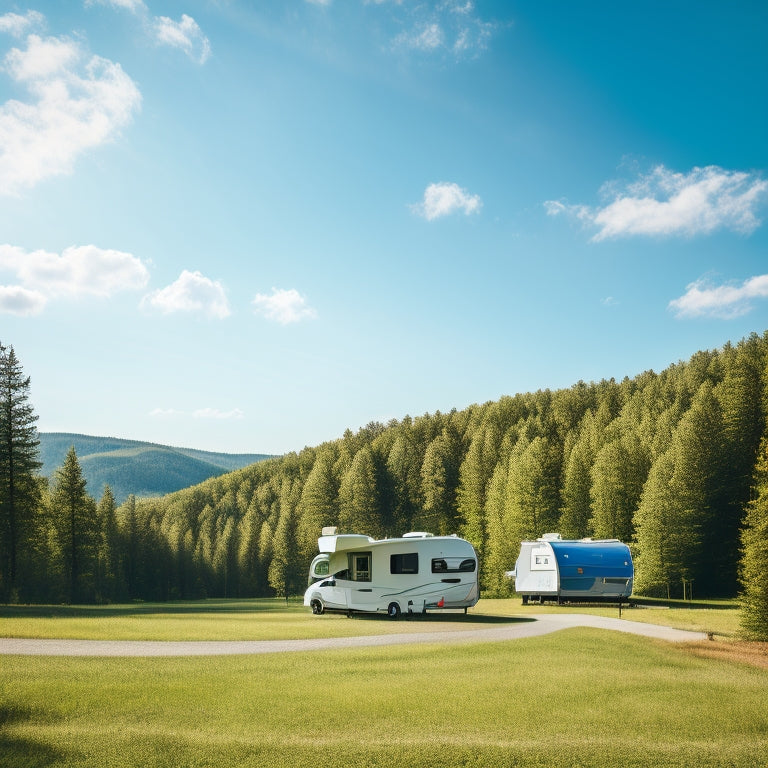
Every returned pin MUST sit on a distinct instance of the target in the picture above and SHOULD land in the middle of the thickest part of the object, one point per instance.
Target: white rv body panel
(404, 575)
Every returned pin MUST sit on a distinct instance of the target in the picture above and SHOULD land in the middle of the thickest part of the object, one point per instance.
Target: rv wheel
(393, 611)
(317, 607)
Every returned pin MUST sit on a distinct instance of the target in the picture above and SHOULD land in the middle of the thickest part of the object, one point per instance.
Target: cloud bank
(702, 299)
(665, 203)
(79, 271)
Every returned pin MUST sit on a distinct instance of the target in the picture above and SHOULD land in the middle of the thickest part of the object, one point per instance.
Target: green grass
(575, 698)
(268, 619)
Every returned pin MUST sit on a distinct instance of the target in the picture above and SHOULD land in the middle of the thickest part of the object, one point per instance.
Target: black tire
(317, 607)
(393, 611)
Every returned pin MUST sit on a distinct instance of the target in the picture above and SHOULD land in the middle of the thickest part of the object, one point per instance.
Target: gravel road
(542, 625)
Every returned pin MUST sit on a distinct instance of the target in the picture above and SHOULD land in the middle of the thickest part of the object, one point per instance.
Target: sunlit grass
(718, 617)
(575, 698)
(273, 619)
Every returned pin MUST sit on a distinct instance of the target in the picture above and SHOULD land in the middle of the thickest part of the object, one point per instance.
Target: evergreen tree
(754, 557)
(618, 475)
(108, 550)
(74, 513)
(318, 506)
(577, 481)
(740, 395)
(439, 481)
(359, 510)
(19, 489)
(678, 502)
(502, 548)
(403, 467)
(131, 546)
(474, 476)
(531, 497)
(285, 574)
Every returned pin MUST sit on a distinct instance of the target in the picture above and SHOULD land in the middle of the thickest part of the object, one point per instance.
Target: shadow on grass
(257, 605)
(27, 752)
(444, 618)
(715, 605)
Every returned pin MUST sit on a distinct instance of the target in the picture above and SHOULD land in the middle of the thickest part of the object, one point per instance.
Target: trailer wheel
(317, 607)
(393, 611)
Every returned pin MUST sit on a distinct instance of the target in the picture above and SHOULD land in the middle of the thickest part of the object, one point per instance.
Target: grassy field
(575, 698)
(288, 620)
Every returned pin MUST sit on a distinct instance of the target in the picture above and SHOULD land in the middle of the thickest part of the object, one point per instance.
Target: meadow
(580, 697)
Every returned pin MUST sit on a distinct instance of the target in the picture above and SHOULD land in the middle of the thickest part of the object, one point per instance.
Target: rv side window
(407, 563)
(453, 565)
(541, 560)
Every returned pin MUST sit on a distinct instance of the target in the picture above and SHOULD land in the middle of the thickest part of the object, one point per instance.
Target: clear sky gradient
(247, 226)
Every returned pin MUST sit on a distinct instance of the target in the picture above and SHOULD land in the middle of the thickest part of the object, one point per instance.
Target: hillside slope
(135, 467)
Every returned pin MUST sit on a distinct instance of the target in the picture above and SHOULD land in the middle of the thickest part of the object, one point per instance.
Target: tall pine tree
(754, 558)
(74, 514)
(19, 489)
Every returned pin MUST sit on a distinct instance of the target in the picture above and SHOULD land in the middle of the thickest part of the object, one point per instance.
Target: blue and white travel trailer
(552, 568)
(412, 574)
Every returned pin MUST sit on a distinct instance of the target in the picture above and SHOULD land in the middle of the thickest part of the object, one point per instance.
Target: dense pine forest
(669, 462)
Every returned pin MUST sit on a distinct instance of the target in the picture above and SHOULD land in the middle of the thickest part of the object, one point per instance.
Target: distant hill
(134, 467)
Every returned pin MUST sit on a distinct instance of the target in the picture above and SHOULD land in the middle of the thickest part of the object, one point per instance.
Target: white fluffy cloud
(191, 292)
(15, 300)
(184, 34)
(283, 306)
(702, 299)
(76, 102)
(445, 198)
(18, 25)
(665, 203)
(77, 272)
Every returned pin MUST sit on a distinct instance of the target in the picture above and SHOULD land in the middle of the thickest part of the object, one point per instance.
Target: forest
(673, 463)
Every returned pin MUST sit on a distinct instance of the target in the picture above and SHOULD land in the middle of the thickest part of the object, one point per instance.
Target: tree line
(669, 463)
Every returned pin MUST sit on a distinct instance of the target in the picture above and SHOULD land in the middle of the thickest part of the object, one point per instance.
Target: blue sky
(246, 227)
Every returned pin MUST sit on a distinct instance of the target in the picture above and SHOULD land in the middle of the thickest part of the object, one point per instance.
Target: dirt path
(541, 626)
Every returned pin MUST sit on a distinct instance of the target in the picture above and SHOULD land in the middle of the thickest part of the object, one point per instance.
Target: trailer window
(541, 560)
(453, 565)
(405, 563)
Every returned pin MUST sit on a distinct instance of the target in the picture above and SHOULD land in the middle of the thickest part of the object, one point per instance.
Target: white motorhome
(412, 574)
